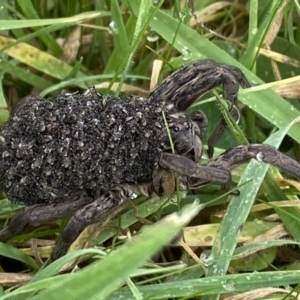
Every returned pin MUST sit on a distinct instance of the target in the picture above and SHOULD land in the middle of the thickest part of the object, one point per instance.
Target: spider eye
(175, 129)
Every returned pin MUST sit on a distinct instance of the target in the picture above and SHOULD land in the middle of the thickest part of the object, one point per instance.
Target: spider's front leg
(183, 87)
(261, 152)
(242, 154)
(164, 183)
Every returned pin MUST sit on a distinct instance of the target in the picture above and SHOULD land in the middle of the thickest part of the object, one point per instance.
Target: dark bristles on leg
(264, 153)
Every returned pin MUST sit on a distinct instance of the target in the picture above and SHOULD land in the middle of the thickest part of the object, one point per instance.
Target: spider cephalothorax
(83, 155)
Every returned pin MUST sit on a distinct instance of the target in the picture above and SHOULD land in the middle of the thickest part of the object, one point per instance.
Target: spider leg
(186, 85)
(261, 152)
(201, 120)
(163, 182)
(242, 154)
(186, 167)
(181, 89)
(100, 209)
(39, 213)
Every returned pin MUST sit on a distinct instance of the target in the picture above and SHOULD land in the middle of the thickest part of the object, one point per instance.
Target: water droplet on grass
(112, 28)
(152, 36)
(229, 285)
(186, 54)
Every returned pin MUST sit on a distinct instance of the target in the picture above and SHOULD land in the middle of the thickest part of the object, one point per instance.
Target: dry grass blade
(126, 88)
(262, 294)
(204, 235)
(289, 90)
(276, 25)
(290, 182)
(13, 279)
(279, 57)
(269, 205)
(156, 69)
(272, 34)
(70, 45)
(272, 234)
(265, 206)
(208, 13)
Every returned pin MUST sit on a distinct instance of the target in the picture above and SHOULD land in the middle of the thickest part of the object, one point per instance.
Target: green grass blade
(140, 26)
(21, 73)
(118, 30)
(249, 56)
(30, 13)
(9, 251)
(37, 59)
(246, 250)
(290, 216)
(80, 286)
(188, 289)
(14, 24)
(238, 210)
(28, 37)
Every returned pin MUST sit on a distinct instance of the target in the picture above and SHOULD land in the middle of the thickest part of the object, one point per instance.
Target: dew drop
(152, 36)
(186, 54)
(112, 28)
(229, 285)
(207, 258)
(182, 16)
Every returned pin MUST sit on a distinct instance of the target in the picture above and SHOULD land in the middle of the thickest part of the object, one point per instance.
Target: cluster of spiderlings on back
(54, 148)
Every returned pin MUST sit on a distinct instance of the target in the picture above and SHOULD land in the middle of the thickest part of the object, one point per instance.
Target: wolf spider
(83, 155)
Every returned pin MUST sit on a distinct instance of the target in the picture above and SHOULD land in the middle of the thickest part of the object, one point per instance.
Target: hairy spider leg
(35, 214)
(242, 154)
(99, 209)
(182, 88)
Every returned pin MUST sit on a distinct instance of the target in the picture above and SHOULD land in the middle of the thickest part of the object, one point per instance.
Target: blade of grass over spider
(28, 290)
(147, 208)
(238, 211)
(80, 286)
(252, 33)
(127, 219)
(199, 47)
(290, 216)
(173, 151)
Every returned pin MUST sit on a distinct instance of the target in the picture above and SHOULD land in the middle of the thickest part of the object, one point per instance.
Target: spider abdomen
(55, 148)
